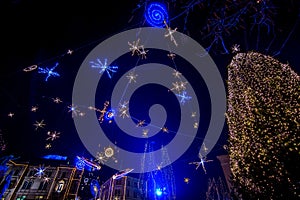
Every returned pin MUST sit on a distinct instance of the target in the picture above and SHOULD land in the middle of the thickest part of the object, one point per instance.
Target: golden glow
(263, 120)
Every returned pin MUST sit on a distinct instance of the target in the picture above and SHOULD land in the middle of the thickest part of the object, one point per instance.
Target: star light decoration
(73, 109)
(40, 171)
(38, 124)
(201, 162)
(179, 86)
(50, 72)
(170, 33)
(131, 77)
(263, 120)
(57, 100)
(145, 132)
(176, 74)
(171, 55)
(11, 114)
(123, 109)
(53, 135)
(186, 180)
(235, 48)
(34, 108)
(103, 111)
(135, 48)
(104, 67)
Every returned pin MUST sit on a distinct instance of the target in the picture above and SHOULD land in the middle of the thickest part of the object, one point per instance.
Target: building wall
(125, 188)
(57, 182)
(225, 163)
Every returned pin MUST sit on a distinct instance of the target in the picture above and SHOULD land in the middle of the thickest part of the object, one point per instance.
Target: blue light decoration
(49, 72)
(94, 187)
(109, 115)
(104, 67)
(158, 192)
(155, 14)
(183, 97)
(79, 163)
(54, 157)
(84, 163)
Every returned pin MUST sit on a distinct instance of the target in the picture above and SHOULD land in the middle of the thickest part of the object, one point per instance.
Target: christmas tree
(263, 119)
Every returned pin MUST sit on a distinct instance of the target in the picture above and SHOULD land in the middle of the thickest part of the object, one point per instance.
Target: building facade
(42, 182)
(126, 187)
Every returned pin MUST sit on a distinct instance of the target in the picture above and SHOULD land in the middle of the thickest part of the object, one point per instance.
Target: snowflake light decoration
(183, 97)
(132, 77)
(104, 67)
(49, 72)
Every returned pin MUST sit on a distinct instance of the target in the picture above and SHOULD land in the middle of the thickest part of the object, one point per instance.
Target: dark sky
(41, 32)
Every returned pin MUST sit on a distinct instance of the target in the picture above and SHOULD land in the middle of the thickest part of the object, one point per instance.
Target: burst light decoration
(155, 14)
(264, 131)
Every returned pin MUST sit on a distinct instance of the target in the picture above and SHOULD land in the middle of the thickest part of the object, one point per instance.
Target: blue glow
(109, 114)
(54, 157)
(94, 187)
(155, 14)
(79, 163)
(83, 163)
(158, 192)
(48, 71)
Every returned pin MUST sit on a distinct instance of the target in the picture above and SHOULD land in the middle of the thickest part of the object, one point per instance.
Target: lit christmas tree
(263, 119)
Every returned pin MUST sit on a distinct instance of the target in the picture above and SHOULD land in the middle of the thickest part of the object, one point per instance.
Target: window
(117, 192)
(43, 185)
(134, 194)
(119, 182)
(31, 173)
(17, 171)
(48, 174)
(63, 175)
(128, 182)
(26, 185)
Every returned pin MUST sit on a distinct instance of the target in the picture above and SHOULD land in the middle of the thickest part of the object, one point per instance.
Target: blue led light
(156, 14)
(54, 157)
(158, 192)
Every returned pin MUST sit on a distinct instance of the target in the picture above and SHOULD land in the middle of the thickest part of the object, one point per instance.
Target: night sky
(41, 32)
